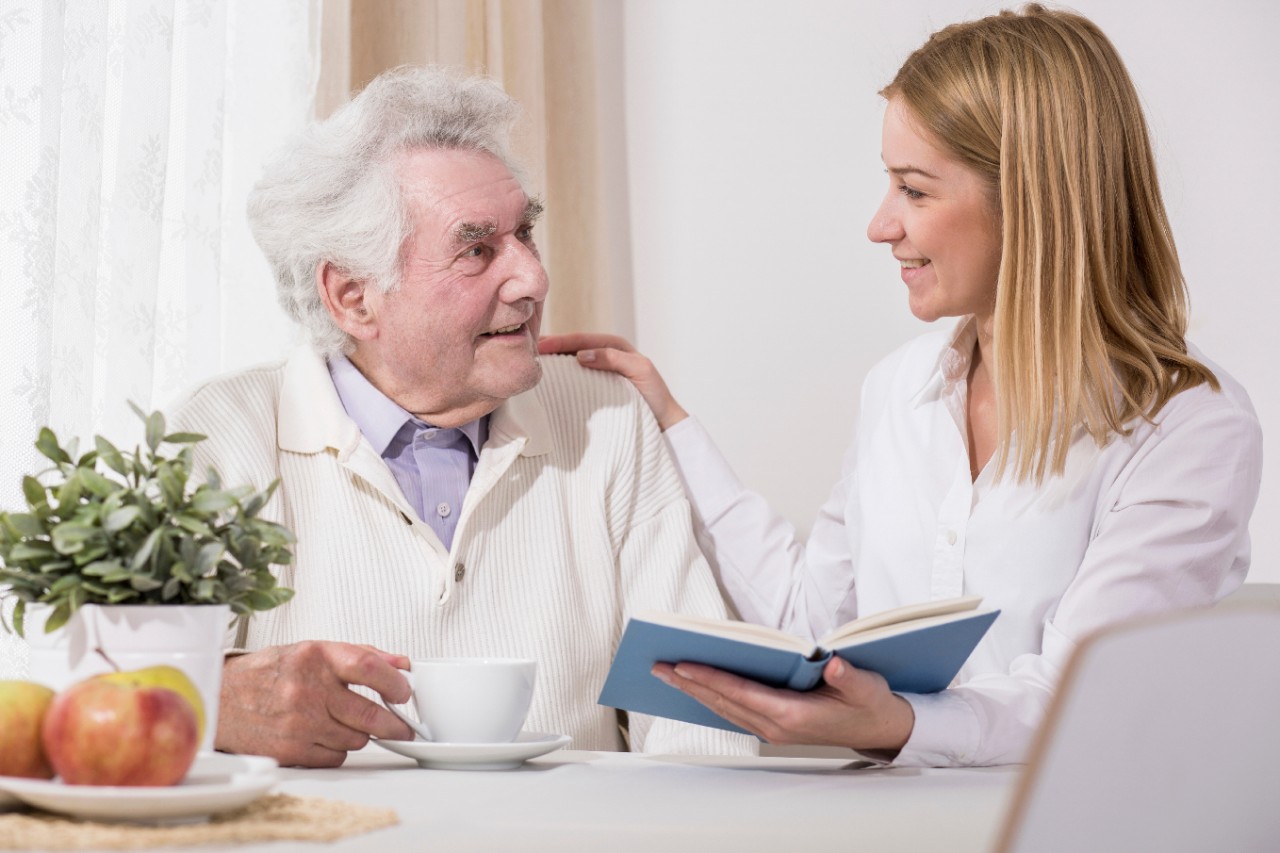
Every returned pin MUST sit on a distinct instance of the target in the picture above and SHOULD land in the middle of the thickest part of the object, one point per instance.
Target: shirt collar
(311, 416)
(953, 362)
(378, 416)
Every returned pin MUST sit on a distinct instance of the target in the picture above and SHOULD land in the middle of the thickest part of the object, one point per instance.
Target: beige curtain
(562, 60)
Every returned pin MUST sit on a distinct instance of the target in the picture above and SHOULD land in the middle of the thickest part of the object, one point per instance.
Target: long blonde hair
(1091, 304)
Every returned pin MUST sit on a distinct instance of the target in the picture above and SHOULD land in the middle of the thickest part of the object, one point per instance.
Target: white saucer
(216, 783)
(476, 756)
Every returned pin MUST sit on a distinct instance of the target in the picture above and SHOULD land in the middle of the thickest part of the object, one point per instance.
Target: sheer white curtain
(130, 132)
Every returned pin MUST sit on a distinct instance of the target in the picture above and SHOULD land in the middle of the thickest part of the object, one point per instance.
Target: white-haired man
(452, 494)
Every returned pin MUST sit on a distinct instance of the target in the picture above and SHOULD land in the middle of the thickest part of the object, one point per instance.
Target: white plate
(216, 783)
(476, 756)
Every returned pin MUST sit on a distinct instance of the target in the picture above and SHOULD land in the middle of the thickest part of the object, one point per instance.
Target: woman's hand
(854, 708)
(617, 355)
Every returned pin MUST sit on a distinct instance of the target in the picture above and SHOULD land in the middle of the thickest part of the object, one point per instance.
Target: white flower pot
(186, 636)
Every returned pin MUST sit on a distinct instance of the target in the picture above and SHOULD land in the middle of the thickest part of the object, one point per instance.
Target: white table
(571, 800)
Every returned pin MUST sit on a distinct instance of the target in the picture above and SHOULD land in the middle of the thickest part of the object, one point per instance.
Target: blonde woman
(1063, 452)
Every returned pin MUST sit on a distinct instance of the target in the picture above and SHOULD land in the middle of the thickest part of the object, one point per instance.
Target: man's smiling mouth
(505, 330)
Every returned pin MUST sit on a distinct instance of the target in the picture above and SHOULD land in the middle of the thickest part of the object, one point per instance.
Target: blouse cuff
(945, 732)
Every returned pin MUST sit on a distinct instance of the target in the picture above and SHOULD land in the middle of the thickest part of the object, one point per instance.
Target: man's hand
(617, 355)
(293, 703)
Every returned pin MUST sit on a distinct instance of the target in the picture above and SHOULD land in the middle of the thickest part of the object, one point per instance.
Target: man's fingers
(366, 717)
(368, 668)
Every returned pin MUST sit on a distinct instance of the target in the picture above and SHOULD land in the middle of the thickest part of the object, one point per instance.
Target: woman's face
(940, 220)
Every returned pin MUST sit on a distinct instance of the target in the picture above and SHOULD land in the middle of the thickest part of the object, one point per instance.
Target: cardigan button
(458, 572)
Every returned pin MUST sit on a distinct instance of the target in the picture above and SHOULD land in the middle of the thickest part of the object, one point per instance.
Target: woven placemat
(274, 817)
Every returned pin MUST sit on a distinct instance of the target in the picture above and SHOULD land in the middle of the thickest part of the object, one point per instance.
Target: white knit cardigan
(575, 518)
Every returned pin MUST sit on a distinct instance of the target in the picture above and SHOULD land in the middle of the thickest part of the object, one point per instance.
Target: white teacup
(470, 700)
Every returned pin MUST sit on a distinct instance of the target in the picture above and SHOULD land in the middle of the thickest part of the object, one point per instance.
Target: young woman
(1063, 452)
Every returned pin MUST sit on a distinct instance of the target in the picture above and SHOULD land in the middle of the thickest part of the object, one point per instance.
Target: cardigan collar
(313, 420)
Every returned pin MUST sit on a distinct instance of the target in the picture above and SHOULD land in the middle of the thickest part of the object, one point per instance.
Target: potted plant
(117, 551)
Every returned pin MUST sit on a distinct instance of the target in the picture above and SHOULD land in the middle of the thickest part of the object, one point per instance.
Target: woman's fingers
(616, 355)
(578, 341)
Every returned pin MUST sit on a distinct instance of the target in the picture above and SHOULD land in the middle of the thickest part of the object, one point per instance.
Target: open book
(918, 648)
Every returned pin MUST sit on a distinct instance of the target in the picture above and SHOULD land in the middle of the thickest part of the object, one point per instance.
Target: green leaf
(98, 484)
(47, 444)
(155, 430)
(37, 550)
(69, 495)
(120, 519)
(101, 568)
(34, 492)
(210, 502)
(171, 588)
(70, 537)
(20, 618)
(194, 525)
(65, 583)
(144, 553)
(61, 613)
(184, 438)
(108, 453)
(144, 583)
(26, 524)
(208, 558)
(120, 594)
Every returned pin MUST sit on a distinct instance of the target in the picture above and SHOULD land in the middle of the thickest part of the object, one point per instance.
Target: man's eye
(914, 195)
(476, 251)
(524, 233)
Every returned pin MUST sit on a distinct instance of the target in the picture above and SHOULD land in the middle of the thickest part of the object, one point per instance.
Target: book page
(898, 616)
(760, 635)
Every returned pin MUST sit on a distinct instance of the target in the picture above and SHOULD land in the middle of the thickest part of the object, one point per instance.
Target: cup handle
(420, 728)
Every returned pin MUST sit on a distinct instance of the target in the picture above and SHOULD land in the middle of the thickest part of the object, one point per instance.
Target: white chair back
(1164, 735)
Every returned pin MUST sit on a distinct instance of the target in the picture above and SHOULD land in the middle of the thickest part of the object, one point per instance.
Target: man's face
(459, 335)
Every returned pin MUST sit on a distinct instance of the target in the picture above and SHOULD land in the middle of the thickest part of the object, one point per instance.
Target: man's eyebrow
(532, 210)
(474, 232)
(471, 232)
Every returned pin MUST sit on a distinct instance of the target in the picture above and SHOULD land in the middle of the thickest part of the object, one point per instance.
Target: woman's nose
(884, 227)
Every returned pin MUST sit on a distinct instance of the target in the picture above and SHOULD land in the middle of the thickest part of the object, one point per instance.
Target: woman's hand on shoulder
(617, 355)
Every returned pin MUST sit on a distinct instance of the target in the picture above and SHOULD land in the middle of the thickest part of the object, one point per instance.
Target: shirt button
(458, 572)
(443, 510)
(951, 537)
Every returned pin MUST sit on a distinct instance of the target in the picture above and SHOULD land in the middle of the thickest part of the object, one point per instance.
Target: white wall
(753, 142)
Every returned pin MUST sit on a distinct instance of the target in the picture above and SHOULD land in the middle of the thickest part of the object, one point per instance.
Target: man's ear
(345, 299)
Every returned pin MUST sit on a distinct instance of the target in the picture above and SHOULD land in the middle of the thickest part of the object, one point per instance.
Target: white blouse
(1156, 520)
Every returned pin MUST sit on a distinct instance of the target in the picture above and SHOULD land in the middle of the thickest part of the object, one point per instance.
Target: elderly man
(452, 494)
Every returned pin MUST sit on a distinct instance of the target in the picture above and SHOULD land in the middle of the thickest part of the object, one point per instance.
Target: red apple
(100, 732)
(23, 705)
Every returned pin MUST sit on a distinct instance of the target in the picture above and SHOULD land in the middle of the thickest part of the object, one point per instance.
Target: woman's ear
(345, 299)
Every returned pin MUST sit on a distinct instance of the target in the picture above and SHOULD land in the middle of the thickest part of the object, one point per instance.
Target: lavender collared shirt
(432, 466)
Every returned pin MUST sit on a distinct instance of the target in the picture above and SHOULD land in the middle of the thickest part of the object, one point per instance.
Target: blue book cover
(920, 655)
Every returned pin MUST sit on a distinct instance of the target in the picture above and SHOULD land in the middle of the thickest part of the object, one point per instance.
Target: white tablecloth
(570, 800)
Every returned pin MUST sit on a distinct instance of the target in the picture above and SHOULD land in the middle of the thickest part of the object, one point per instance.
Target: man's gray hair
(333, 193)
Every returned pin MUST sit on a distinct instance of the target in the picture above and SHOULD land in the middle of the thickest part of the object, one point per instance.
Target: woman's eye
(914, 195)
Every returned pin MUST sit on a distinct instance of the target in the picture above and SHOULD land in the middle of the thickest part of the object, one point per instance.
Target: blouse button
(951, 537)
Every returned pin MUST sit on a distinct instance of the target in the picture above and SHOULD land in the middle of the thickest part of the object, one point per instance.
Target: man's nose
(526, 276)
